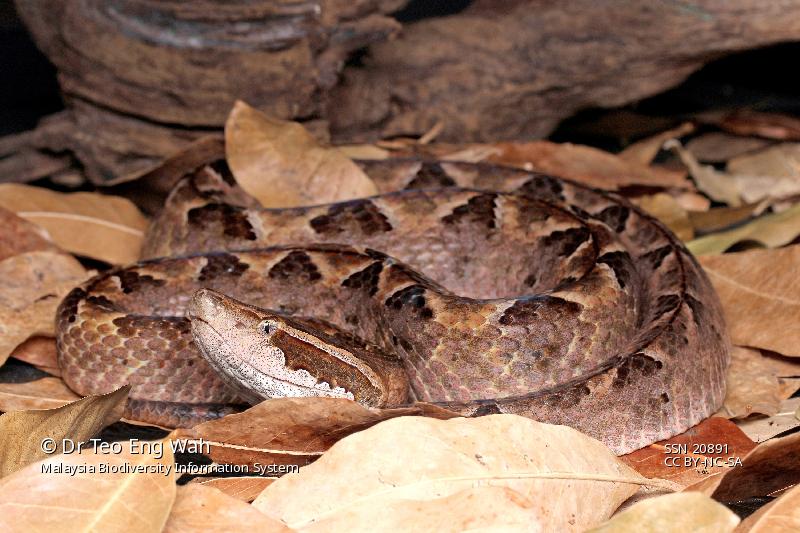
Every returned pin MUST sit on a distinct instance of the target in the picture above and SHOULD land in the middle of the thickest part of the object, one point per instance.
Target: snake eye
(267, 328)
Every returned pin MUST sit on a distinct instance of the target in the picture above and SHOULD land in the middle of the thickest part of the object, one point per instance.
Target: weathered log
(143, 78)
(512, 69)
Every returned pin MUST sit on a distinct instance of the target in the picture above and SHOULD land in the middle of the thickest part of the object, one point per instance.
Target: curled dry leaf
(22, 432)
(686, 459)
(764, 428)
(645, 150)
(44, 393)
(281, 165)
(778, 516)
(760, 296)
(31, 287)
(679, 512)
(39, 352)
(769, 467)
(20, 236)
(201, 508)
(569, 481)
(134, 493)
(245, 489)
(109, 228)
(752, 387)
(666, 209)
(773, 230)
(291, 431)
(717, 185)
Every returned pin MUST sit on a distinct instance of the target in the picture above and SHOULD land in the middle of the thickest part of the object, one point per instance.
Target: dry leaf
(290, 431)
(645, 150)
(585, 164)
(281, 165)
(199, 508)
(769, 125)
(20, 236)
(717, 185)
(43, 496)
(686, 458)
(245, 489)
(679, 512)
(31, 287)
(760, 296)
(721, 218)
(39, 352)
(22, 432)
(719, 147)
(764, 428)
(752, 387)
(482, 508)
(571, 480)
(779, 161)
(364, 152)
(667, 210)
(769, 467)
(778, 516)
(109, 228)
(773, 230)
(44, 393)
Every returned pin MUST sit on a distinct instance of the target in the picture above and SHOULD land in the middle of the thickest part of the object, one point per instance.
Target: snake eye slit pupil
(267, 327)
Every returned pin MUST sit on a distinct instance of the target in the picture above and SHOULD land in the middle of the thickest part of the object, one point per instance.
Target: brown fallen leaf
(39, 352)
(752, 387)
(584, 164)
(44, 393)
(482, 508)
(23, 432)
(73, 493)
(290, 431)
(760, 296)
(281, 165)
(768, 125)
(201, 508)
(679, 512)
(761, 429)
(769, 467)
(778, 516)
(719, 147)
(771, 231)
(109, 228)
(245, 489)
(571, 480)
(645, 150)
(696, 454)
(31, 287)
(20, 236)
(667, 210)
(717, 185)
(778, 161)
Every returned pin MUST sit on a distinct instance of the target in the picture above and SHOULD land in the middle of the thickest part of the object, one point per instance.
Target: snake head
(263, 354)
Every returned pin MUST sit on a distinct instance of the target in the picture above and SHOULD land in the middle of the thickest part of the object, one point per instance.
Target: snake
(481, 288)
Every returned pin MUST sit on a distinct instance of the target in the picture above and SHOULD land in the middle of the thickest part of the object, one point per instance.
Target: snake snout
(206, 304)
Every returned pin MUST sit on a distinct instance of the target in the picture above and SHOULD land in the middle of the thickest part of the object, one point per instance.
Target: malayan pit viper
(485, 289)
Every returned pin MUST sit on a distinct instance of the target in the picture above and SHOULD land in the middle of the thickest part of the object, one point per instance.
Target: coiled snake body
(487, 289)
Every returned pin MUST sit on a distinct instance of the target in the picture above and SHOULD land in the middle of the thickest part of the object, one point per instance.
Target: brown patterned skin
(551, 300)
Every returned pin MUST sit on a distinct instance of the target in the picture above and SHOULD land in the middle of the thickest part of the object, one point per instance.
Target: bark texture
(143, 78)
